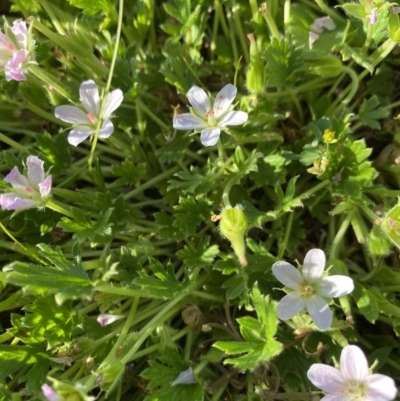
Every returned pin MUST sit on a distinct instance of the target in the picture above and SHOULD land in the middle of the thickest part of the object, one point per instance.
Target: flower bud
(110, 373)
(390, 224)
(255, 75)
(233, 226)
(394, 26)
(328, 67)
(193, 316)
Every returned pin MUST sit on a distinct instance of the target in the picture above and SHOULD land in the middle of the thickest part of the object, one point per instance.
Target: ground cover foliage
(146, 273)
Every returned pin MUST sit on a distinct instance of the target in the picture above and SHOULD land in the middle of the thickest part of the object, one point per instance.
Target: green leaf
(286, 202)
(259, 335)
(199, 254)
(283, 61)
(165, 284)
(370, 113)
(366, 303)
(129, 173)
(64, 279)
(192, 181)
(189, 214)
(91, 7)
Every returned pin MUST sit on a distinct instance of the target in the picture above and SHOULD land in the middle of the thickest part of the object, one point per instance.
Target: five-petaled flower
(31, 190)
(85, 124)
(14, 53)
(210, 120)
(353, 382)
(310, 289)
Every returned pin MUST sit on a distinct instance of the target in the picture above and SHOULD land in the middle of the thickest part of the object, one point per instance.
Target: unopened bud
(390, 224)
(233, 226)
(394, 26)
(255, 74)
(328, 67)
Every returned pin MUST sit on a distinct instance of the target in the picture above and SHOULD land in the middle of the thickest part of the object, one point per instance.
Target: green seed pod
(394, 26)
(255, 75)
(233, 226)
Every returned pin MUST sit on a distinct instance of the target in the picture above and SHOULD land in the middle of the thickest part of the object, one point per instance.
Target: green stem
(49, 80)
(339, 236)
(156, 119)
(151, 182)
(121, 291)
(270, 21)
(13, 144)
(163, 315)
(108, 85)
(311, 191)
(327, 10)
(206, 295)
(288, 230)
(57, 208)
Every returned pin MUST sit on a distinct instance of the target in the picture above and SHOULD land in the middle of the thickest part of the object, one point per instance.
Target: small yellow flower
(329, 136)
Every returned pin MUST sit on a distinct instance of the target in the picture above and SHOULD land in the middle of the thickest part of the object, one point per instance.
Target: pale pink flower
(353, 381)
(210, 120)
(50, 394)
(85, 122)
(317, 27)
(31, 190)
(105, 319)
(14, 53)
(373, 17)
(310, 289)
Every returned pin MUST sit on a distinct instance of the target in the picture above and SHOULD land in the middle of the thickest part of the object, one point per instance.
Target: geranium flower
(318, 26)
(310, 289)
(14, 53)
(85, 123)
(210, 120)
(106, 319)
(353, 382)
(31, 190)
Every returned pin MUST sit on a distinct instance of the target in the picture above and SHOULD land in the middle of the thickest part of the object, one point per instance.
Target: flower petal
(381, 387)
(45, 186)
(113, 101)
(16, 179)
(314, 265)
(287, 274)
(185, 377)
(188, 121)
(312, 37)
(334, 286)
(210, 136)
(336, 398)
(21, 33)
(353, 364)
(106, 319)
(234, 118)
(79, 134)
(35, 170)
(106, 130)
(199, 100)
(290, 305)
(223, 100)
(319, 311)
(14, 74)
(13, 68)
(89, 97)
(71, 114)
(327, 378)
(13, 201)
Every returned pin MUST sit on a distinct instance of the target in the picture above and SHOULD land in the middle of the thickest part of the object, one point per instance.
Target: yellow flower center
(356, 391)
(307, 290)
(329, 136)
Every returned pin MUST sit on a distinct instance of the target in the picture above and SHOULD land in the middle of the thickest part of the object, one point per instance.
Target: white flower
(31, 190)
(310, 288)
(85, 123)
(352, 382)
(210, 121)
